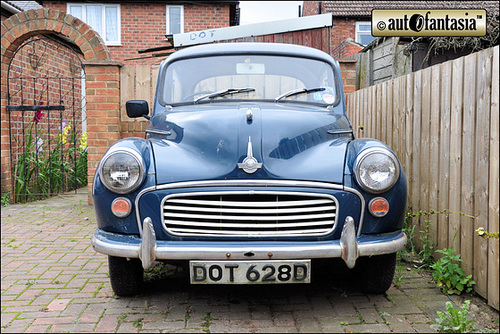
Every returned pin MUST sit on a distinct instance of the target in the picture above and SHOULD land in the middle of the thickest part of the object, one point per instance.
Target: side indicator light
(378, 207)
(121, 207)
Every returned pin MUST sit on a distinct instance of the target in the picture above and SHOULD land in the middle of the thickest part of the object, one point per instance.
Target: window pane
(76, 11)
(365, 27)
(94, 18)
(365, 39)
(111, 24)
(174, 19)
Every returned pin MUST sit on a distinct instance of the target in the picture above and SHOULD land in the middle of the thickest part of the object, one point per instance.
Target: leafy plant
(427, 252)
(5, 200)
(448, 274)
(398, 276)
(38, 173)
(453, 320)
(487, 235)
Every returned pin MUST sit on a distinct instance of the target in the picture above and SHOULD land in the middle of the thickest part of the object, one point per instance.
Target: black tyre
(375, 273)
(126, 276)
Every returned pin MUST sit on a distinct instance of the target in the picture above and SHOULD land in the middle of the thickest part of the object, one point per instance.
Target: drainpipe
(10, 8)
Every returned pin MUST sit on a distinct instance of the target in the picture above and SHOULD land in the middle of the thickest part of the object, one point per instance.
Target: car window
(247, 77)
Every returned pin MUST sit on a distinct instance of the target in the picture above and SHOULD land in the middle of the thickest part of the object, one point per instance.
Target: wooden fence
(443, 124)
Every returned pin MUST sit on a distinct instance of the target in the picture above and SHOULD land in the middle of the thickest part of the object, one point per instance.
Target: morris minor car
(249, 170)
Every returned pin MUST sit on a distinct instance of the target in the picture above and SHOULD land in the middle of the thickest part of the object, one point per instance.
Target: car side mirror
(137, 108)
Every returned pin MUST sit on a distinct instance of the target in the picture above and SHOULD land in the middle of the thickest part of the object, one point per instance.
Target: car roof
(251, 48)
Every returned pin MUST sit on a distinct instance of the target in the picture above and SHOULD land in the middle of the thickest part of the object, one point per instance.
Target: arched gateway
(31, 86)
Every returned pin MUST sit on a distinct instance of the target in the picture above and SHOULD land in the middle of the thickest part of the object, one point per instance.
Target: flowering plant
(43, 168)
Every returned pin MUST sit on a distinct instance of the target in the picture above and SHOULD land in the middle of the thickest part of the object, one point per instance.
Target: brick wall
(143, 25)
(103, 112)
(343, 27)
(348, 69)
(19, 28)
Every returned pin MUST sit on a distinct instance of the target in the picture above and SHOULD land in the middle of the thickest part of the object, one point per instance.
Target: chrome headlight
(376, 170)
(122, 170)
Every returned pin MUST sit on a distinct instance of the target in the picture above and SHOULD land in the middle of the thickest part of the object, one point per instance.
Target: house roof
(364, 8)
(25, 5)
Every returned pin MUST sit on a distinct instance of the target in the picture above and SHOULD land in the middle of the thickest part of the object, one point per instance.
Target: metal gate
(47, 120)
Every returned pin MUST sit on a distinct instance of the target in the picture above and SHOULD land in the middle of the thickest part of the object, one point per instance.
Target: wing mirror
(137, 108)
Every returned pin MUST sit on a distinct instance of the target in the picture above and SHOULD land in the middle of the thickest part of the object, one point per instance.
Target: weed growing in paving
(138, 323)
(448, 274)
(398, 276)
(208, 321)
(453, 320)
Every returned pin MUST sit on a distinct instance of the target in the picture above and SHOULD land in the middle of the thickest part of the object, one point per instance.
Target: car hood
(206, 142)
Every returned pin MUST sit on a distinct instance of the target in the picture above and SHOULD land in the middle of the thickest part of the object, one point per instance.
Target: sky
(263, 11)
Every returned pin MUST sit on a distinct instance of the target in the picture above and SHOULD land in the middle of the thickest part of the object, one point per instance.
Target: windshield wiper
(224, 92)
(299, 91)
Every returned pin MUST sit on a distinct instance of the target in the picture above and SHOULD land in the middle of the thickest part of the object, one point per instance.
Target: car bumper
(148, 249)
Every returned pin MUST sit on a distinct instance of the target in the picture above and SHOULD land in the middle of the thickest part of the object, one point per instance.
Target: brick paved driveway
(52, 280)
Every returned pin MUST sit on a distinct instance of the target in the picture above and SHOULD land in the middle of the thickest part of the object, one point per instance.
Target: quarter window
(364, 33)
(105, 19)
(175, 20)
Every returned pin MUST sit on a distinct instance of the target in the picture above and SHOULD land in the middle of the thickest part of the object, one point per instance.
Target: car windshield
(248, 77)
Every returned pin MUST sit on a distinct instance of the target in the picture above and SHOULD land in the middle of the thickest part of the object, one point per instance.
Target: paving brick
(66, 288)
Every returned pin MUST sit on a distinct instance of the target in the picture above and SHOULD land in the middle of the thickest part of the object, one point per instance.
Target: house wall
(143, 25)
(344, 28)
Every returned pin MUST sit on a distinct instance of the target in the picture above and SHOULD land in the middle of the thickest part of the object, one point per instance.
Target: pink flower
(38, 116)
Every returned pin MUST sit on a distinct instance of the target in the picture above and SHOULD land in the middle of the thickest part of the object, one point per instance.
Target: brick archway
(24, 25)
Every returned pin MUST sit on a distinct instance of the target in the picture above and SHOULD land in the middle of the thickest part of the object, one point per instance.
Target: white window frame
(167, 15)
(103, 35)
(359, 32)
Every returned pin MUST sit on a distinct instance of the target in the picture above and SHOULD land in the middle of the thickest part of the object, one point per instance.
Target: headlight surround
(122, 170)
(376, 170)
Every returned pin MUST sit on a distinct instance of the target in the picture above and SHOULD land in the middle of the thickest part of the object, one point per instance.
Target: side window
(105, 19)
(364, 33)
(175, 20)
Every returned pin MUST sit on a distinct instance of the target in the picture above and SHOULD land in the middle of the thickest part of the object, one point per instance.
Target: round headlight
(376, 170)
(122, 171)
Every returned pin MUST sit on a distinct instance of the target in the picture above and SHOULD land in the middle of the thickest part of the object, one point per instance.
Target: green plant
(487, 235)
(5, 199)
(206, 324)
(453, 320)
(398, 276)
(38, 173)
(427, 252)
(448, 274)
(138, 323)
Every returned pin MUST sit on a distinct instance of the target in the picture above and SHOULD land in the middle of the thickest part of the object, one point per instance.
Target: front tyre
(126, 276)
(375, 273)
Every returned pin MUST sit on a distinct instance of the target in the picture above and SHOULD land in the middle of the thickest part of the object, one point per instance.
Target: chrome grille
(249, 214)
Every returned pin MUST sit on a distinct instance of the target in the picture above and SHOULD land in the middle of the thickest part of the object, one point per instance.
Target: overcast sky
(262, 11)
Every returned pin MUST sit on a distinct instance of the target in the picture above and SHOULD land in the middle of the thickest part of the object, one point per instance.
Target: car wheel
(375, 273)
(126, 276)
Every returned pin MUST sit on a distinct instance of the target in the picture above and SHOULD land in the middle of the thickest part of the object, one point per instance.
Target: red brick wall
(348, 70)
(103, 113)
(143, 25)
(19, 28)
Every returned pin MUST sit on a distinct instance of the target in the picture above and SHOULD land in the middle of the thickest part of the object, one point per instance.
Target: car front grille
(249, 214)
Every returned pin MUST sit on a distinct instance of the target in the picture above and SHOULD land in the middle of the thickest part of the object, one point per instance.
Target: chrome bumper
(349, 248)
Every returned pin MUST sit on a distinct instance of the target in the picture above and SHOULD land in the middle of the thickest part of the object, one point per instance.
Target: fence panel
(442, 123)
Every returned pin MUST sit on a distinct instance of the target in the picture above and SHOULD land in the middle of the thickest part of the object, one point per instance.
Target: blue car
(248, 171)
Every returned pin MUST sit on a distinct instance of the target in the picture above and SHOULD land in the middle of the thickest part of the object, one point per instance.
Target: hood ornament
(250, 164)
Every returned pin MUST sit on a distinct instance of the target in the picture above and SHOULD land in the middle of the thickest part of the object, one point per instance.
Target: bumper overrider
(148, 248)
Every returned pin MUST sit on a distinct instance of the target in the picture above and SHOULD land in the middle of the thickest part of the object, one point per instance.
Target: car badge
(250, 164)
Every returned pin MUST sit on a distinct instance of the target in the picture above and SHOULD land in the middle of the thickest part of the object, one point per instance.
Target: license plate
(250, 272)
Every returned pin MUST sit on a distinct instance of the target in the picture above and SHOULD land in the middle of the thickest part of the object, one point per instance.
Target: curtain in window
(111, 24)
(94, 18)
(174, 20)
(76, 11)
